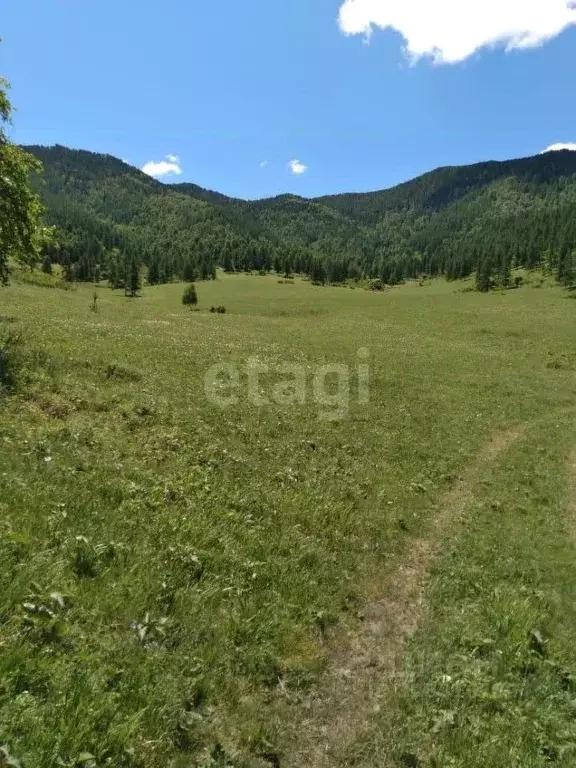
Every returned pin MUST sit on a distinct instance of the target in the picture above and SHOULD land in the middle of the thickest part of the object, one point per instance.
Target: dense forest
(485, 219)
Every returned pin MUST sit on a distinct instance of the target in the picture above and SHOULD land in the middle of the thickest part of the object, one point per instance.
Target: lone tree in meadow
(190, 297)
(484, 275)
(132, 284)
(21, 236)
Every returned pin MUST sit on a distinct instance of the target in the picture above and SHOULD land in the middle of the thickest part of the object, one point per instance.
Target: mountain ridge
(509, 164)
(447, 221)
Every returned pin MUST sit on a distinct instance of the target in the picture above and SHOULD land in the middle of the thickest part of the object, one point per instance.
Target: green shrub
(190, 297)
(41, 278)
(10, 344)
(47, 265)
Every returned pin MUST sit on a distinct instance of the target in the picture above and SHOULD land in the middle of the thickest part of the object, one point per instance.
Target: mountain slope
(439, 188)
(446, 221)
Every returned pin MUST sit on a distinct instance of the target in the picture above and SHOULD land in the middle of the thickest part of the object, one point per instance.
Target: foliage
(10, 347)
(22, 237)
(132, 279)
(190, 296)
(47, 265)
(490, 218)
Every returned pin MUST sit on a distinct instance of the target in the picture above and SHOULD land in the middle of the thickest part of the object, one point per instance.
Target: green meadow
(184, 584)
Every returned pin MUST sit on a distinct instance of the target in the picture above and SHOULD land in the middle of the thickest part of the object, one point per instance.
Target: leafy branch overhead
(22, 237)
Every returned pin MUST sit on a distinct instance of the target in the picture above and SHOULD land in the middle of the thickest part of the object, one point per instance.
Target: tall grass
(174, 575)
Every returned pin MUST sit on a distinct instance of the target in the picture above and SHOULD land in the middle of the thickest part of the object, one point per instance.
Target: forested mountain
(487, 217)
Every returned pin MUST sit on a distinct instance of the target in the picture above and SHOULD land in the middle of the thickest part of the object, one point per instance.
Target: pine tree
(115, 268)
(205, 270)
(68, 270)
(505, 271)
(47, 265)
(566, 273)
(84, 271)
(154, 272)
(484, 275)
(227, 262)
(190, 273)
(318, 273)
(132, 281)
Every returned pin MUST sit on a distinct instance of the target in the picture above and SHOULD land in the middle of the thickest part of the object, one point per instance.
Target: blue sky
(363, 93)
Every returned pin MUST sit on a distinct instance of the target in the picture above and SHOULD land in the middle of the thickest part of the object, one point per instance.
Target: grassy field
(183, 584)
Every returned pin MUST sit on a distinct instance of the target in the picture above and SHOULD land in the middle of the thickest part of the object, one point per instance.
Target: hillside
(438, 189)
(449, 221)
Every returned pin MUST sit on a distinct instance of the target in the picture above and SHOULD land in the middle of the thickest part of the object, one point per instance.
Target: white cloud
(297, 168)
(558, 147)
(264, 163)
(163, 167)
(452, 30)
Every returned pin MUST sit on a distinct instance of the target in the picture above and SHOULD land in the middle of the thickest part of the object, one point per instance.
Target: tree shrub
(10, 344)
(190, 297)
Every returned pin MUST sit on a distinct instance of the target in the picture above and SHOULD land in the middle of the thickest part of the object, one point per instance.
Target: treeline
(486, 219)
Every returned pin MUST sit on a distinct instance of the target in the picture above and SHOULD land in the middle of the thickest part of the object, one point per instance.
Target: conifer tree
(115, 268)
(505, 271)
(190, 273)
(566, 273)
(318, 272)
(154, 271)
(132, 280)
(484, 275)
(47, 265)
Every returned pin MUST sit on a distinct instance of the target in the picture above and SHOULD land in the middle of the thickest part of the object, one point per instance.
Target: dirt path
(366, 669)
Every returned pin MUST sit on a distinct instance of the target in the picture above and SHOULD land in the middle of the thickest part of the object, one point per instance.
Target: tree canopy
(21, 236)
(486, 218)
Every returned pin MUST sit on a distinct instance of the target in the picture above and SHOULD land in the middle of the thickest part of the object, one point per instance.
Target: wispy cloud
(449, 31)
(558, 147)
(264, 163)
(170, 165)
(297, 168)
